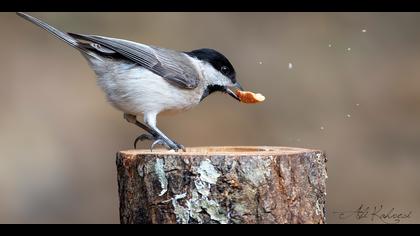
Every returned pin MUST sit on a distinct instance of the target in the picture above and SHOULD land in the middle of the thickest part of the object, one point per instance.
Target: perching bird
(145, 80)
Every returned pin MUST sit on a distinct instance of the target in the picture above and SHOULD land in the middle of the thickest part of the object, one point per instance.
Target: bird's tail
(57, 33)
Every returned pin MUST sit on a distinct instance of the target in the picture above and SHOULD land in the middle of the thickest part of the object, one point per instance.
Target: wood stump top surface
(224, 150)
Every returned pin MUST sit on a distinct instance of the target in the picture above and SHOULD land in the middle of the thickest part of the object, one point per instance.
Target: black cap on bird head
(217, 60)
(220, 63)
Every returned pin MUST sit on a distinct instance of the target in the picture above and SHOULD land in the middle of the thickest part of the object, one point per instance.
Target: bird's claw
(157, 141)
(180, 146)
(141, 138)
(170, 145)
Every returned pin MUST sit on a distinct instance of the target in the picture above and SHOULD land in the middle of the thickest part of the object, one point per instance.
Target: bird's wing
(174, 66)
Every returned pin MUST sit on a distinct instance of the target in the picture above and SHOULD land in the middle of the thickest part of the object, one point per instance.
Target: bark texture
(226, 185)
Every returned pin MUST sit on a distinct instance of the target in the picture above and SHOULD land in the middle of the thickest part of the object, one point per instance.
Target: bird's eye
(224, 70)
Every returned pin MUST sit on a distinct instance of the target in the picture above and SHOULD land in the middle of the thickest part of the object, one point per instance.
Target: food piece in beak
(249, 97)
(236, 86)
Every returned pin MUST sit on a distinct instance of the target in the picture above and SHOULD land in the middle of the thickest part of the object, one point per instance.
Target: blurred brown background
(353, 91)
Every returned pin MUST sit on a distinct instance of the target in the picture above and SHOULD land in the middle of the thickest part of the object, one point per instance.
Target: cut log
(227, 185)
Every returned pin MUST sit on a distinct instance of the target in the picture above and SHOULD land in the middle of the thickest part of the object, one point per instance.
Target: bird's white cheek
(214, 77)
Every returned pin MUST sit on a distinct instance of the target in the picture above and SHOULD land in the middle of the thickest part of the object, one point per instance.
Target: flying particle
(348, 116)
(348, 49)
(364, 30)
(290, 65)
(322, 128)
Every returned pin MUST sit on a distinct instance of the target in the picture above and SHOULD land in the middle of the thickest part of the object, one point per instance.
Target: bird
(146, 80)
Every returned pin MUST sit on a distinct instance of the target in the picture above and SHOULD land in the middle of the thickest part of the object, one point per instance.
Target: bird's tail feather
(57, 33)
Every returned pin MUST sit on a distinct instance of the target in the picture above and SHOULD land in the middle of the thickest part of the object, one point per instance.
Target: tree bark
(244, 185)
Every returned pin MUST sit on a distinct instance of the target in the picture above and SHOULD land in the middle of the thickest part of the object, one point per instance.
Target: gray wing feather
(174, 66)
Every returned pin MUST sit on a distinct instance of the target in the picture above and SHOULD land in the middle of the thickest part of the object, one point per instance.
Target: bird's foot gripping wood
(158, 140)
(153, 135)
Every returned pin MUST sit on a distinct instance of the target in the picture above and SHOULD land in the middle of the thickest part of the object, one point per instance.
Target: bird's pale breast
(136, 90)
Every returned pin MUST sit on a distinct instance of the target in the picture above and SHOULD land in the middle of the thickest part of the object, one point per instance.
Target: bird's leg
(170, 144)
(150, 120)
(151, 134)
(133, 119)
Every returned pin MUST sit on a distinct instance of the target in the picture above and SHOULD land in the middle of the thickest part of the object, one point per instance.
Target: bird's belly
(138, 91)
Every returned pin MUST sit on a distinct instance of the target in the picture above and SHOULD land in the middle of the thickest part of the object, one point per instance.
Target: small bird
(145, 80)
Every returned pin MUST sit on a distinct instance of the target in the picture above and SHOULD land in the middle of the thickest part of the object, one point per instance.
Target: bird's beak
(231, 90)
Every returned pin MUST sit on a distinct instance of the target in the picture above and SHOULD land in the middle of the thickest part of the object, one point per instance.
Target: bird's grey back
(174, 66)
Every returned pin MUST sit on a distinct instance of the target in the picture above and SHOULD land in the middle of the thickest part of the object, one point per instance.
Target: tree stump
(227, 185)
